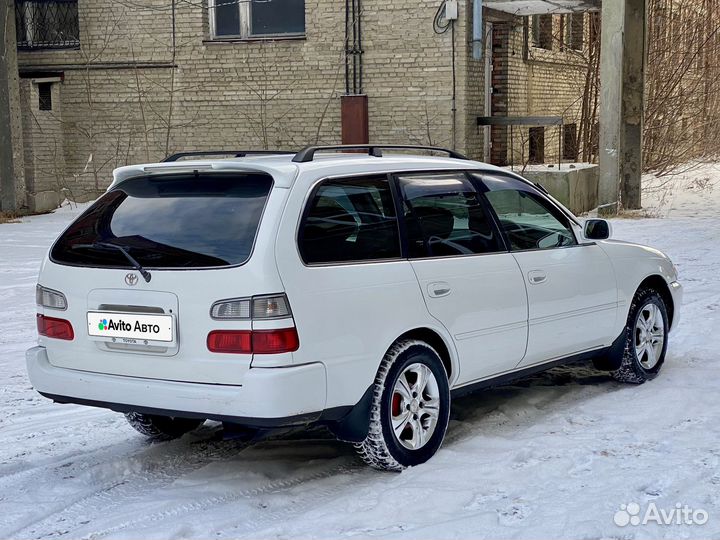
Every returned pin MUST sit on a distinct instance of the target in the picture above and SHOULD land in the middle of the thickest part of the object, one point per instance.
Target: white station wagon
(336, 286)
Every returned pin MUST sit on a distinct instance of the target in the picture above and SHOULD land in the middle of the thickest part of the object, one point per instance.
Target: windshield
(172, 221)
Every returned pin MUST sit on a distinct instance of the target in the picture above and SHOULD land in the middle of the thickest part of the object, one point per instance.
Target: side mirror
(597, 229)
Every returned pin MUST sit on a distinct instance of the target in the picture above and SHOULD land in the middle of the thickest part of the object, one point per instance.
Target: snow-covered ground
(554, 456)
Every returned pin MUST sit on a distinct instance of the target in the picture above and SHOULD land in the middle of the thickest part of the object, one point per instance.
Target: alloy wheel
(415, 406)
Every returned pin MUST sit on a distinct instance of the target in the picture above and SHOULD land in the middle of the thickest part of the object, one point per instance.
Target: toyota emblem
(131, 279)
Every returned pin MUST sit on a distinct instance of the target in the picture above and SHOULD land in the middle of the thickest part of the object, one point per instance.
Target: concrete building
(103, 83)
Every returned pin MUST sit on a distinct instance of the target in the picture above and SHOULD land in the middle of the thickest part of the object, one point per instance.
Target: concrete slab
(574, 185)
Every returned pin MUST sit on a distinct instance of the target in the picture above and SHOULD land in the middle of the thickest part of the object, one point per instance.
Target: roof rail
(232, 153)
(308, 153)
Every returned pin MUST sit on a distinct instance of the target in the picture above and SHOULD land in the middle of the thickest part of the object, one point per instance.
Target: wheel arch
(438, 342)
(353, 427)
(657, 283)
(612, 358)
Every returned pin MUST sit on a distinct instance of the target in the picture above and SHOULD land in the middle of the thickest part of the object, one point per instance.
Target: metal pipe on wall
(477, 30)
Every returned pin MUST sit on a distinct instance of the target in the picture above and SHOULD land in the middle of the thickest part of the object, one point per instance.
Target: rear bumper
(268, 397)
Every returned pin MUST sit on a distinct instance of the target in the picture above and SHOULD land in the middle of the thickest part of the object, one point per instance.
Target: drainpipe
(477, 37)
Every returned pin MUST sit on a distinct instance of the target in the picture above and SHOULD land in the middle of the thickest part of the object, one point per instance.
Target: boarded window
(536, 153)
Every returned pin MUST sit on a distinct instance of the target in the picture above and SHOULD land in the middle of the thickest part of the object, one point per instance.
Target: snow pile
(553, 456)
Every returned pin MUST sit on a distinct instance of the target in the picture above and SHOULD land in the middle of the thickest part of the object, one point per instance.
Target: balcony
(47, 24)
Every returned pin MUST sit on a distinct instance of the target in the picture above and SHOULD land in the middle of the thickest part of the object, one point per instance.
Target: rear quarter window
(350, 220)
(170, 221)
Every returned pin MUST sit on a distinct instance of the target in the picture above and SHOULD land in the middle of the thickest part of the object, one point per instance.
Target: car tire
(410, 408)
(646, 334)
(162, 428)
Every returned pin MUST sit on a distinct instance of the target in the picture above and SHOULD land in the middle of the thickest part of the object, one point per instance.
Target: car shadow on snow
(497, 408)
(499, 411)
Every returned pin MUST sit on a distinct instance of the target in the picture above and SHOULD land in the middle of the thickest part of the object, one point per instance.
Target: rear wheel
(410, 409)
(162, 428)
(645, 338)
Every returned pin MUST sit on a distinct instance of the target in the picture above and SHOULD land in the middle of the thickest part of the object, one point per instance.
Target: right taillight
(256, 308)
(253, 341)
(54, 328)
(275, 341)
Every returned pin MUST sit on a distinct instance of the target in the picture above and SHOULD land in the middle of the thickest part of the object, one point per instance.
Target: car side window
(528, 220)
(350, 219)
(445, 216)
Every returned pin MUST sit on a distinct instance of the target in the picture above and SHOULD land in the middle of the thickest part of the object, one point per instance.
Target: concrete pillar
(622, 81)
(12, 178)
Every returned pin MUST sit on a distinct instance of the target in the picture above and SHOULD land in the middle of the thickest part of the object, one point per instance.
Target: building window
(576, 31)
(542, 31)
(246, 19)
(45, 96)
(536, 152)
(570, 142)
(47, 24)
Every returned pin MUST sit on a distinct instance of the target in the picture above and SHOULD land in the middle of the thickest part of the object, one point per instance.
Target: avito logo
(123, 326)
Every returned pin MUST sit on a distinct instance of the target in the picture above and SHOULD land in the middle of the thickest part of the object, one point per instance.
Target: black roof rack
(231, 153)
(308, 153)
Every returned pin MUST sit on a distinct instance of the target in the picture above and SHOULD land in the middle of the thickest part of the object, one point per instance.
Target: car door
(350, 290)
(469, 281)
(571, 287)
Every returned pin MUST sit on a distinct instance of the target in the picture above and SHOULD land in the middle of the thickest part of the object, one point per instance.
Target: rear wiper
(105, 245)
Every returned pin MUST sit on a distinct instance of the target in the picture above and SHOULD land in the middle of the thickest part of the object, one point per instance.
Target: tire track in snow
(207, 503)
(319, 495)
(152, 472)
(20, 473)
(50, 421)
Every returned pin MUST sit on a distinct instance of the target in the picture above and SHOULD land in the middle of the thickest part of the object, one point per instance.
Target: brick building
(104, 83)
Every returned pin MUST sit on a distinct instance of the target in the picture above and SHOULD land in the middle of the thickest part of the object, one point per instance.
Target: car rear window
(170, 221)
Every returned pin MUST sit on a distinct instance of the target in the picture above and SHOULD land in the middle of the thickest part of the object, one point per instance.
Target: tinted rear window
(174, 221)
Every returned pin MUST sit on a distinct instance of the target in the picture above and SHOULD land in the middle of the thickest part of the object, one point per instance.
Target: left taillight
(278, 341)
(54, 328)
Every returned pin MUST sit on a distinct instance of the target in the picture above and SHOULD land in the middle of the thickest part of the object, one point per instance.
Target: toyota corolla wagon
(358, 288)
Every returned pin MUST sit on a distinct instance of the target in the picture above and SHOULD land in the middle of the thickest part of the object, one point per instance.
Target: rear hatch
(199, 238)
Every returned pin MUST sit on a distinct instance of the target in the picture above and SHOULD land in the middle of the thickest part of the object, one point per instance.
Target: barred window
(44, 96)
(536, 152)
(542, 28)
(570, 142)
(46, 24)
(576, 31)
(256, 18)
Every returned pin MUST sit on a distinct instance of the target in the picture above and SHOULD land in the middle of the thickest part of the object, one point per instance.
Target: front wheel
(162, 428)
(410, 408)
(646, 335)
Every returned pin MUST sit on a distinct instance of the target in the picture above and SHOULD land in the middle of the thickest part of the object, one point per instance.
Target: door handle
(438, 289)
(536, 277)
